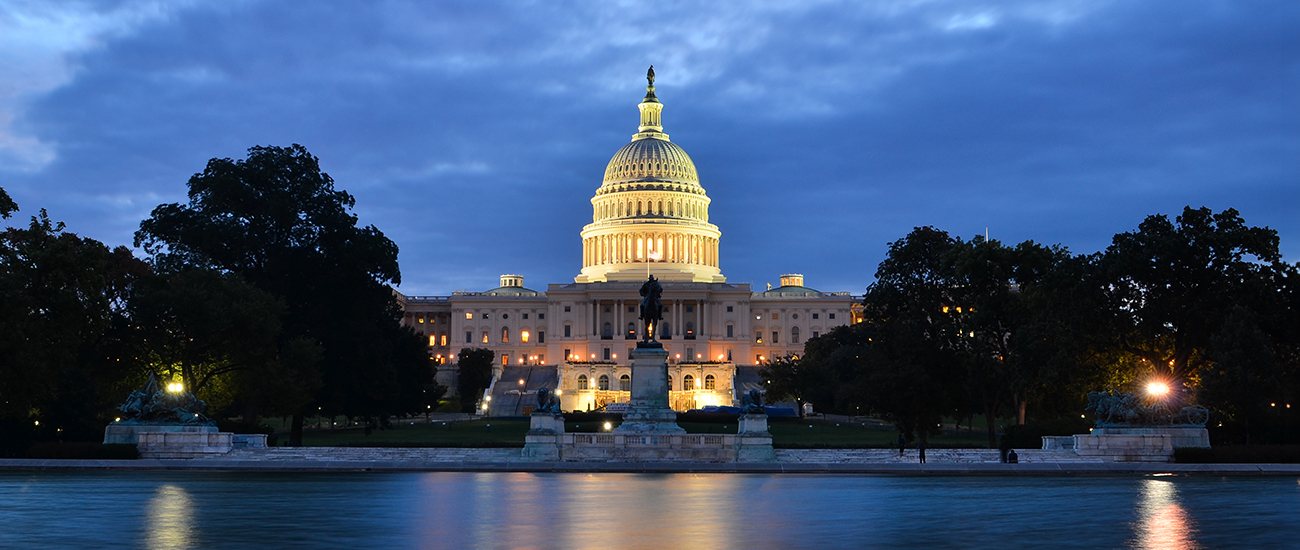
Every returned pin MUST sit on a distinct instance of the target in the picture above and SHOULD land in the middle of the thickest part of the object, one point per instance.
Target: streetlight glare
(1157, 389)
(175, 387)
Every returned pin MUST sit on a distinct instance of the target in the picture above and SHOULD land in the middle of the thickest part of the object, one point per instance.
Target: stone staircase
(385, 454)
(951, 456)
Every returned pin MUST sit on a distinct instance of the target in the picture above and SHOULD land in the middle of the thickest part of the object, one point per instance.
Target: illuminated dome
(650, 213)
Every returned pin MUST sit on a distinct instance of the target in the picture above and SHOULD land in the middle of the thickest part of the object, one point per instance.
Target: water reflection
(1163, 523)
(169, 519)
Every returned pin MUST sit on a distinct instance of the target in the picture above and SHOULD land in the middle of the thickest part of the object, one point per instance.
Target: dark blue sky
(474, 134)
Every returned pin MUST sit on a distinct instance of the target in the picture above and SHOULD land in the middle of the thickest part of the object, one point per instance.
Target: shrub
(1030, 435)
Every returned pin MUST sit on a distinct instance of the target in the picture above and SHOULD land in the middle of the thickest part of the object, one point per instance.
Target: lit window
(775, 315)
(485, 337)
(758, 338)
(420, 320)
(505, 335)
(759, 317)
(444, 340)
(523, 336)
(469, 316)
(582, 381)
(433, 340)
(505, 359)
(688, 383)
(709, 382)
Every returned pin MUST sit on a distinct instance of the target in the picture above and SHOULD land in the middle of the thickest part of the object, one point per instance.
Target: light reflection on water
(396, 511)
(1163, 524)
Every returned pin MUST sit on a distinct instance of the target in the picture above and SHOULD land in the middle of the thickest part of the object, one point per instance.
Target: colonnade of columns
(639, 247)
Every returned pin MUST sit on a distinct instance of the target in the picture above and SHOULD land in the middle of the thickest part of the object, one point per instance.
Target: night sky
(474, 134)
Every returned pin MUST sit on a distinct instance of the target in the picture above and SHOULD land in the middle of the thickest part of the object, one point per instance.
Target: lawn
(509, 432)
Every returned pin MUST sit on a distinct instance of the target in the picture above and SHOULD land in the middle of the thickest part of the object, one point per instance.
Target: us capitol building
(649, 216)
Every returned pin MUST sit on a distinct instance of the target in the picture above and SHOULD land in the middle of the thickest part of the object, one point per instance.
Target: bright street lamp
(1158, 389)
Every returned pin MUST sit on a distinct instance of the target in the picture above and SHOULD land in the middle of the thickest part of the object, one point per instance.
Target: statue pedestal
(754, 442)
(129, 434)
(648, 412)
(542, 442)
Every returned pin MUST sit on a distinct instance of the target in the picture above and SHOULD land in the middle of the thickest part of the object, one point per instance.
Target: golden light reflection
(170, 519)
(1162, 522)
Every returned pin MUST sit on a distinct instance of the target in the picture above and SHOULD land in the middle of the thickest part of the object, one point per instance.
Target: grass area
(509, 432)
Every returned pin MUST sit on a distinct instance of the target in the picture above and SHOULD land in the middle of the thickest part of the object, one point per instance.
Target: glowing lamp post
(175, 387)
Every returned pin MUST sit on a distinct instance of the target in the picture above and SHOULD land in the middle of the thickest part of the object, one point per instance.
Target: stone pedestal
(543, 440)
(183, 444)
(1126, 448)
(1180, 436)
(128, 434)
(648, 412)
(753, 440)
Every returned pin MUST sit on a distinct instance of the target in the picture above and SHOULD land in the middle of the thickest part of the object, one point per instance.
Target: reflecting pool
(392, 511)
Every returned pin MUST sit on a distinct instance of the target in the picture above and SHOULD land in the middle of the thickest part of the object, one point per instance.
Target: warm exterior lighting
(1157, 389)
(616, 356)
(487, 398)
(608, 426)
(118, 419)
(945, 309)
(175, 387)
(559, 392)
(699, 356)
(521, 381)
(485, 406)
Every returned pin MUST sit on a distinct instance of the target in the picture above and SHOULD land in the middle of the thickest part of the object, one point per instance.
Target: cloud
(39, 45)
(474, 134)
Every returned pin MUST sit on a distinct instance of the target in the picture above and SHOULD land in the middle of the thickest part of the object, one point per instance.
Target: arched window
(794, 335)
(688, 383)
(665, 330)
(603, 382)
(631, 331)
(709, 382)
(582, 381)
(625, 383)
(505, 335)
(608, 333)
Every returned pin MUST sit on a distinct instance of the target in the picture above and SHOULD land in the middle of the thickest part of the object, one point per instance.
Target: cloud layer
(474, 134)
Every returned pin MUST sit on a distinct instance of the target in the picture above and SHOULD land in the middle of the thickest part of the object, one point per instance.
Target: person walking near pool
(902, 444)
(920, 448)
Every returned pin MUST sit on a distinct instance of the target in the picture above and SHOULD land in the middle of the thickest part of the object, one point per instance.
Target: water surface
(393, 511)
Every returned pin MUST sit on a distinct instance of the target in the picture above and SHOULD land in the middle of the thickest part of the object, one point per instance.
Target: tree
(275, 220)
(222, 338)
(7, 205)
(474, 374)
(909, 372)
(787, 378)
(1170, 285)
(61, 314)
